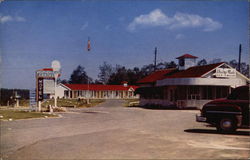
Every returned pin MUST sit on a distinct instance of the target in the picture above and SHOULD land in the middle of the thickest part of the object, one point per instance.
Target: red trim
(186, 56)
(46, 69)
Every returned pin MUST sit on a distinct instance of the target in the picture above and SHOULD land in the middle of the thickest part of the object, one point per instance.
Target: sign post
(56, 68)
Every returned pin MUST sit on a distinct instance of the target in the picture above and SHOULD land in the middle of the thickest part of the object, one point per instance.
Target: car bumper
(200, 119)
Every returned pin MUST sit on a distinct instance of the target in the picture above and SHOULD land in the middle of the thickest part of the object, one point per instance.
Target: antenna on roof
(239, 62)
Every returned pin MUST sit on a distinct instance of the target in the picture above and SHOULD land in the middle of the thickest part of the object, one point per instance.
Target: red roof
(46, 69)
(161, 74)
(196, 71)
(99, 87)
(186, 56)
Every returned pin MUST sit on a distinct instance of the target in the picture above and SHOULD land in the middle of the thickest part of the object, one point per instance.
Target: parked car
(229, 113)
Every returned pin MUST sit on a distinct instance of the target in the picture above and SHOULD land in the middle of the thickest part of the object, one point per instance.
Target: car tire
(226, 125)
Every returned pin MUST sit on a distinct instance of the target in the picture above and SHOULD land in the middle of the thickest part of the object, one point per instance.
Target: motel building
(189, 85)
(96, 91)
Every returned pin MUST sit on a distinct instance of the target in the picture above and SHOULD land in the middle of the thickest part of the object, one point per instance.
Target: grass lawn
(73, 102)
(7, 114)
(131, 102)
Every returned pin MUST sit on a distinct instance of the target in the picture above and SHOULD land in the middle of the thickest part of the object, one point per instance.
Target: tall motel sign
(45, 84)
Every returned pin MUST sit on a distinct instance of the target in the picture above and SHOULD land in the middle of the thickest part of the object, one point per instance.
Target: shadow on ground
(209, 131)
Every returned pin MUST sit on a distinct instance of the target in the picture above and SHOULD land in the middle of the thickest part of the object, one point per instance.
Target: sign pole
(55, 98)
(56, 68)
(88, 91)
(39, 106)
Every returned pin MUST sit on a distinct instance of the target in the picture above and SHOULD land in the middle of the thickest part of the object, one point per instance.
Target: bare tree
(106, 70)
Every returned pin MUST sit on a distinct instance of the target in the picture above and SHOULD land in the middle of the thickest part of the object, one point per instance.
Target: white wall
(188, 62)
(60, 91)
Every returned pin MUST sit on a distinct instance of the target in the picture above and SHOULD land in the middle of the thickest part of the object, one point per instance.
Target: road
(110, 131)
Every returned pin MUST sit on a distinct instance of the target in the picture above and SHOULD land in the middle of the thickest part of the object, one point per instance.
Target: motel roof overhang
(98, 87)
(234, 82)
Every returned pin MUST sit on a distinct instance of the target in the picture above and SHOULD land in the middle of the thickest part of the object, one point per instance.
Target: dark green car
(229, 113)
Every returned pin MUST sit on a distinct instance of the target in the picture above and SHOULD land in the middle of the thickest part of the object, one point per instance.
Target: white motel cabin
(95, 91)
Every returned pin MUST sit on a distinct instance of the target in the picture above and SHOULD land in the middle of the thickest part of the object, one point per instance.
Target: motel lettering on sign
(45, 79)
(46, 74)
(225, 72)
(40, 89)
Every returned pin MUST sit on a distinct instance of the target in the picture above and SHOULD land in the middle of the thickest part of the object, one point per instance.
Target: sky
(125, 32)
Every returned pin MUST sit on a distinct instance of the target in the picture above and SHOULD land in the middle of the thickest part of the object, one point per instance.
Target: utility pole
(88, 101)
(155, 59)
(239, 62)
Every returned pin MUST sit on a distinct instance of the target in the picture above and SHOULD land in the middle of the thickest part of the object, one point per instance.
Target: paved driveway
(110, 131)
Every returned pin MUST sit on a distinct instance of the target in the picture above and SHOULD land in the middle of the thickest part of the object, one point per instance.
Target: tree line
(115, 75)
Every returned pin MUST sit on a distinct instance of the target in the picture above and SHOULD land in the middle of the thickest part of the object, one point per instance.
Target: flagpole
(88, 49)
(88, 90)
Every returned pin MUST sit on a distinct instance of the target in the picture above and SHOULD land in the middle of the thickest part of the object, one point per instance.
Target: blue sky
(34, 33)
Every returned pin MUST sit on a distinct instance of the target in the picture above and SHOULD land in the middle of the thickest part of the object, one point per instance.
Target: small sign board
(32, 98)
(47, 74)
(48, 86)
(225, 72)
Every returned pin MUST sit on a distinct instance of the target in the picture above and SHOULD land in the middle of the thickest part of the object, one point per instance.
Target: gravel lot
(110, 131)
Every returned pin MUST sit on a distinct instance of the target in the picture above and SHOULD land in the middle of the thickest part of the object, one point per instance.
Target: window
(171, 95)
(204, 92)
(209, 92)
(221, 92)
(193, 92)
(66, 93)
(181, 62)
(165, 92)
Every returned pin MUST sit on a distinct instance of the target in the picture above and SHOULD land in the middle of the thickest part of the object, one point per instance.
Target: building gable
(64, 86)
(224, 71)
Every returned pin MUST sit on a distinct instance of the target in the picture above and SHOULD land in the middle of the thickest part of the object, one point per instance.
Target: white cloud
(107, 27)
(8, 18)
(179, 36)
(178, 21)
(84, 26)
(20, 19)
(4, 19)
